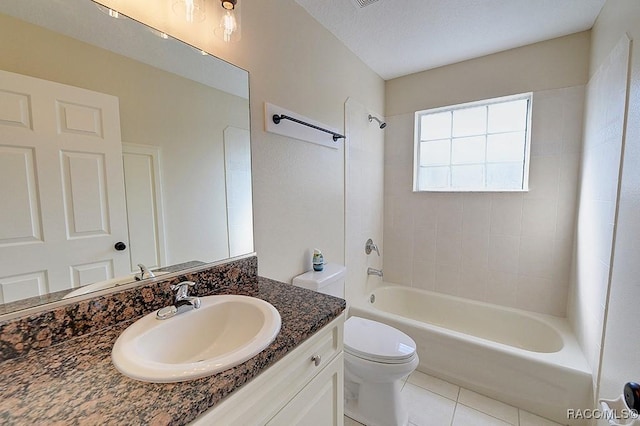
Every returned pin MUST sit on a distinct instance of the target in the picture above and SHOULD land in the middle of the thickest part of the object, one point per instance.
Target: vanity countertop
(75, 382)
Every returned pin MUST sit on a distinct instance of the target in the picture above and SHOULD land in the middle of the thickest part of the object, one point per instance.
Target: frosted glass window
(435, 153)
(467, 176)
(436, 126)
(479, 146)
(436, 177)
(504, 176)
(503, 147)
(468, 150)
(470, 121)
(508, 116)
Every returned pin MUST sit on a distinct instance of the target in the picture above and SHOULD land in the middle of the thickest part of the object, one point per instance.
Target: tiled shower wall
(512, 249)
(363, 196)
(603, 143)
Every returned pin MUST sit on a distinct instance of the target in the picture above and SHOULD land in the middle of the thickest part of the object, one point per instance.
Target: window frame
(451, 108)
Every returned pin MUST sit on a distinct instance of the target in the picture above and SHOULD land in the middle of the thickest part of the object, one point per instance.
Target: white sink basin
(225, 331)
(101, 285)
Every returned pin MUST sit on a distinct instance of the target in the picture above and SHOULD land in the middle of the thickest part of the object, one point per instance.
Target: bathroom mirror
(172, 192)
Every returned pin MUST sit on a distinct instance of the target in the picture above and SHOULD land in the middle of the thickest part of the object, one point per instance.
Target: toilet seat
(377, 342)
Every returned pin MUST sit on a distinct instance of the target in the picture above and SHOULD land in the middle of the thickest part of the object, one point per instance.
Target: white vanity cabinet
(303, 388)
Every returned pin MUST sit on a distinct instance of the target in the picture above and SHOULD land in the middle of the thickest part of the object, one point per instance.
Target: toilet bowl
(377, 357)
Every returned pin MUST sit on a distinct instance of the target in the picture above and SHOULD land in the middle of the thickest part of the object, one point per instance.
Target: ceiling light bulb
(192, 10)
(228, 28)
(228, 25)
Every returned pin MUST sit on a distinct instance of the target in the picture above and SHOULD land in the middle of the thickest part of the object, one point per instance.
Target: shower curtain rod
(277, 118)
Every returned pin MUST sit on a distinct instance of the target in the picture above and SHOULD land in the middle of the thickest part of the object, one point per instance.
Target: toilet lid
(377, 342)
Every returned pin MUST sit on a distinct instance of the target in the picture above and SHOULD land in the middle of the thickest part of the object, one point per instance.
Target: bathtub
(524, 359)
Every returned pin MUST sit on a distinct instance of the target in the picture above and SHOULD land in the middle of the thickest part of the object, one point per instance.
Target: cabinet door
(320, 403)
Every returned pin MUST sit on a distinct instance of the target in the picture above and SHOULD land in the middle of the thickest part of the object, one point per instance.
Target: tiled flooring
(434, 402)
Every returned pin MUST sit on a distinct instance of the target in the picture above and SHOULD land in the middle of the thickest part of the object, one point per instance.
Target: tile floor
(434, 402)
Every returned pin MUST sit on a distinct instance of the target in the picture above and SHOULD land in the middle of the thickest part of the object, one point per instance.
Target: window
(478, 146)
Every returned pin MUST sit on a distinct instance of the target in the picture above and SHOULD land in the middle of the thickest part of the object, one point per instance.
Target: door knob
(120, 246)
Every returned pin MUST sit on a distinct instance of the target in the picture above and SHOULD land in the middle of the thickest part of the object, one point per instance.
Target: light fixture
(192, 10)
(229, 27)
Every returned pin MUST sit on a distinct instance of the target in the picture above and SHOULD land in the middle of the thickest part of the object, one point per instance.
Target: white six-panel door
(61, 187)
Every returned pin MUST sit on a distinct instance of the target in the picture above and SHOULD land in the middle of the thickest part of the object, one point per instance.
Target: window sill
(459, 190)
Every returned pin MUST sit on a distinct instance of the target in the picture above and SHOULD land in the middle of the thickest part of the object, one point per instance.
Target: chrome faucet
(144, 270)
(370, 246)
(371, 271)
(183, 301)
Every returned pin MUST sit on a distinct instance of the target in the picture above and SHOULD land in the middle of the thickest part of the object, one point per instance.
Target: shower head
(382, 123)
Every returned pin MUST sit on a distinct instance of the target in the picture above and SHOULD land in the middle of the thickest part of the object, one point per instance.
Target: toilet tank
(328, 281)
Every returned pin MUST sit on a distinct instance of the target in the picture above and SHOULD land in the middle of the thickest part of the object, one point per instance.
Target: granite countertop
(75, 382)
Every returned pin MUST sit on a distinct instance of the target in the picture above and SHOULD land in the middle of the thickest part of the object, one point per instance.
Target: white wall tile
(502, 288)
(474, 283)
(485, 243)
(506, 214)
(364, 202)
(476, 214)
(533, 292)
(504, 251)
(475, 251)
(544, 177)
(536, 257)
(448, 279)
(539, 217)
(449, 213)
(423, 274)
(546, 125)
(449, 248)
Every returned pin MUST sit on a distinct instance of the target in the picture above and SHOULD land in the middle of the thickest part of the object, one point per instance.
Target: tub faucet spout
(371, 271)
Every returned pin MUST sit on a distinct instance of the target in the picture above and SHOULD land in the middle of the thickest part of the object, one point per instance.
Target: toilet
(377, 357)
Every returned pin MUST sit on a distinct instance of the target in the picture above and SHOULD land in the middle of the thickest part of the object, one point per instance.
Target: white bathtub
(527, 360)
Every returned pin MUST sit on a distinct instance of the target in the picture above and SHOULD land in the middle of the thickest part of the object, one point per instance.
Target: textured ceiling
(400, 37)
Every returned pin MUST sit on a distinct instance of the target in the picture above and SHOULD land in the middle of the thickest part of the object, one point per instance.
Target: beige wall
(512, 249)
(620, 344)
(298, 187)
(552, 64)
(184, 118)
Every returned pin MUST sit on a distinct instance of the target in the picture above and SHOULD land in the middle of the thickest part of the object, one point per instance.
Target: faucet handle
(182, 287)
(370, 246)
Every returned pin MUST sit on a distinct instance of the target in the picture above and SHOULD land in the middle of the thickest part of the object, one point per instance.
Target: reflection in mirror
(117, 148)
